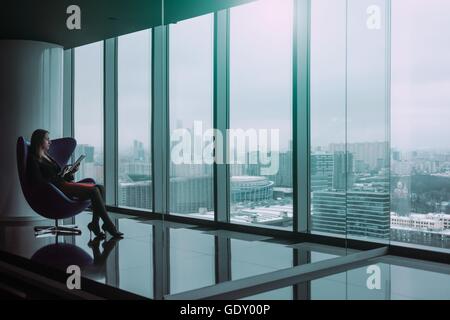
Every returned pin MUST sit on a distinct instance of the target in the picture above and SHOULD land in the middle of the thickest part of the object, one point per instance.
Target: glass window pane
(420, 165)
(350, 118)
(88, 109)
(191, 112)
(367, 145)
(328, 117)
(134, 110)
(261, 48)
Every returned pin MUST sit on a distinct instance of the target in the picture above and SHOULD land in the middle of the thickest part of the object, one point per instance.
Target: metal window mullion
(68, 96)
(221, 113)
(388, 92)
(112, 274)
(301, 116)
(160, 121)
(302, 290)
(110, 121)
(161, 260)
(222, 259)
(68, 103)
(221, 123)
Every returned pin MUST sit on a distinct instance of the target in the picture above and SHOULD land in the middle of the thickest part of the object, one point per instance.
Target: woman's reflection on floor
(97, 269)
(107, 245)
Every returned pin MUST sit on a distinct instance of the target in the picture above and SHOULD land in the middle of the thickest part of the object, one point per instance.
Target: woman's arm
(70, 176)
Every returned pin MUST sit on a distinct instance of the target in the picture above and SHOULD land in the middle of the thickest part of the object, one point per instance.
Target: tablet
(68, 169)
(81, 158)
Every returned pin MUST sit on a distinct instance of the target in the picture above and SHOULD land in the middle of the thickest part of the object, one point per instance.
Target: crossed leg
(89, 191)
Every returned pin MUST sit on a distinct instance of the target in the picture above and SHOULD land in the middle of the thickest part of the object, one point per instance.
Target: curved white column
(31, 83)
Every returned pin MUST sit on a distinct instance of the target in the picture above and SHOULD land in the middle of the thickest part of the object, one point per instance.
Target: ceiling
(45, 20)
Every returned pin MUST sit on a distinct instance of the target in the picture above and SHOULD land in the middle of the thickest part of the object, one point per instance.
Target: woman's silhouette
(97, 269)
(43, 169)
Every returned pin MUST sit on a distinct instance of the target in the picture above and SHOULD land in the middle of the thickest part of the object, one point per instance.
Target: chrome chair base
(57, 230)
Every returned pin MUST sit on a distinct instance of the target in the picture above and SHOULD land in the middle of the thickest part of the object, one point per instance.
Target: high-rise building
(369, 152)
(137, 168)
(328, 212)
(321, 171)
(284, 176)
(355, 213)
(190, 170)
(191, 194)
(396, 155)
(87, 150)
(342, 170)
(368, 214)
(331, 171)
(136, 194)
(88, 168)
(138, 151)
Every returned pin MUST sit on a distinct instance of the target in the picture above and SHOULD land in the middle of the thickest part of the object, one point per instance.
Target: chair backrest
(60, 150)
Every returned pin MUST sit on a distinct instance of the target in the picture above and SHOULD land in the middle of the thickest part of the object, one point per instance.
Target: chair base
(67, 230)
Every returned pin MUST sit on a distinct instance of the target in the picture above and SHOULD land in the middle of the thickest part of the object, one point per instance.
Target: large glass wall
(88, 110)
(420, 167)
(134, 119)
(191, 116)
(379, 162)
(261, 63)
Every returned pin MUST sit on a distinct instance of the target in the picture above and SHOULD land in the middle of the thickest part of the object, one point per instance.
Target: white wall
(31, 84)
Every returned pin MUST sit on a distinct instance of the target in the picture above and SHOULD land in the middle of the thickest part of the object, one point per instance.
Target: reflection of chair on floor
(47, 200)
(63, 255)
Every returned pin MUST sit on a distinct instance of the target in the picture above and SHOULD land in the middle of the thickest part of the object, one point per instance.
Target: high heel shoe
(96, 230)
(112, 231)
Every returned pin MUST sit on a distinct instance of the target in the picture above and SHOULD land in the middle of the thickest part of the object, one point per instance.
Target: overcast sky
(421, 73)
(353, 88)
(349, 73)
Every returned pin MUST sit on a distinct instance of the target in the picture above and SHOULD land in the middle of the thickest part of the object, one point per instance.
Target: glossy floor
(158, 258)
(390, 278)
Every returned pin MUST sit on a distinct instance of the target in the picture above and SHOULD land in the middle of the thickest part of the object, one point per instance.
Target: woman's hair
(37, 138)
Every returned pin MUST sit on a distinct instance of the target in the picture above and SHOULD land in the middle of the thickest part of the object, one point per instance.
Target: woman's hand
(76, 168)
(69, 177)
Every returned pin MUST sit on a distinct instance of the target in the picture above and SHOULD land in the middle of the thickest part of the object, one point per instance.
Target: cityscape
(356, 190)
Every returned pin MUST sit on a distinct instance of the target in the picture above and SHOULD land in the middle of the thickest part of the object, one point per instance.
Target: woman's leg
(95, 216)
(99, 208)
(83, 191)
(96, 194)
(102, 191)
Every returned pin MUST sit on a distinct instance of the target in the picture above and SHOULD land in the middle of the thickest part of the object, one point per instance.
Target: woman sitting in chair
(42, 168)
